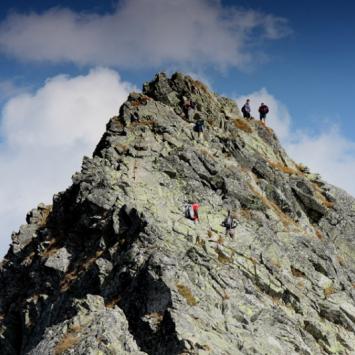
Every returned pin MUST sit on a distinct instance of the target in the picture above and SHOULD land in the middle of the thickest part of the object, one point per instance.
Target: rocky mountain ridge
(114, 267)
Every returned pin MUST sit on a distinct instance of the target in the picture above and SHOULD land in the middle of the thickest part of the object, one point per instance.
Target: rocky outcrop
(114, 267)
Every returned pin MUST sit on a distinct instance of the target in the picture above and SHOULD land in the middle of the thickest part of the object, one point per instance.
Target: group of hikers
(263, 111)
(189, 110)
(191, 212)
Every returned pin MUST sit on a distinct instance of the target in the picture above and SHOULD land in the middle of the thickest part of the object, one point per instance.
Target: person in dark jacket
(230, 224)
(263, 111)
(246, 109)
(199, 127)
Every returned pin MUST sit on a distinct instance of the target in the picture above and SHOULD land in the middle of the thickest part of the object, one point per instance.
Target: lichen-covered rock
(59, 260)
(114, 267)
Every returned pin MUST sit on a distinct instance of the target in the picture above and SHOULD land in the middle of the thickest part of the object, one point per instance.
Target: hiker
(263, 110)
(246, 109)
(188, 107)
(191, 212)
(134, 117)
(230, 224)
(199, 127)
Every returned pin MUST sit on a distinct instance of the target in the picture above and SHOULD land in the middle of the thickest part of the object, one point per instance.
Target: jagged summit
(114, 267)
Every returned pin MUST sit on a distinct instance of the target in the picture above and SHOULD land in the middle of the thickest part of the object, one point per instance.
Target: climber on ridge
(191, 212)
(199, 127)
(263, 110)
(188, 107)
(230, 224)
(246, 109)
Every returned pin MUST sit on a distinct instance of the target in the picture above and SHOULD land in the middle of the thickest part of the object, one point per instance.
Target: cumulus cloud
(45, 135)
(328, 152)
(142, 33)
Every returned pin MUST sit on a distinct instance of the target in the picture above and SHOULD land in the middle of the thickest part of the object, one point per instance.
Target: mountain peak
(116, 267)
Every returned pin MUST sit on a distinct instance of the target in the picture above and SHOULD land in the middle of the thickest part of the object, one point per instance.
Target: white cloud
(142, 33)
(328, 152)
(46, 135)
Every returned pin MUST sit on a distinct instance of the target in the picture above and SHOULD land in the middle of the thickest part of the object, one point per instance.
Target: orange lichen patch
(202, 88)
(142, 100)
(319, 193)
(199, 241)
(185, 292)
(121, 148)
(70, 277)
(222, 258)
(68, 280)
(225, 296)
(296, 272)
(243, 125)
(328, 291)
(319, 234)
(45, 212)
(328, 204)
(246, 213)
(283, 168)
(144, 122)
(113, 301)
(51, 250)
(270, 130)
(68, 341)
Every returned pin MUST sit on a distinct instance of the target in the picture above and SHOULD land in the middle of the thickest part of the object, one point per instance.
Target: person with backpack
(246, 109)
(263, 110)
(230, 224)
(191, 212)
(199, 127)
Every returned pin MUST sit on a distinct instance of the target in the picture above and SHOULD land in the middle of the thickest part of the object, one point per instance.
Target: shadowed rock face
(114, 267)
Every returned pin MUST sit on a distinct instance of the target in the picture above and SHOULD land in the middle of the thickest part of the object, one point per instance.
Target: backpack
(199, 125)
(243, 109)
(229, 223)
(264, 109)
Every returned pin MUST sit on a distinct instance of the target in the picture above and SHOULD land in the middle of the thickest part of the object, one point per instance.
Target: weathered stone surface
(114, 267)
(60, 260)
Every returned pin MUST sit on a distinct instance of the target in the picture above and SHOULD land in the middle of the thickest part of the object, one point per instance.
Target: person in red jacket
(191, 212)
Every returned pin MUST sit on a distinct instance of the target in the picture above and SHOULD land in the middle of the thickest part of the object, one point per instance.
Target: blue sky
(297, 55)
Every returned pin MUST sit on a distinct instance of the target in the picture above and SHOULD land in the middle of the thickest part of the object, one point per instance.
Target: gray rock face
(114, 267)
(60, 260)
